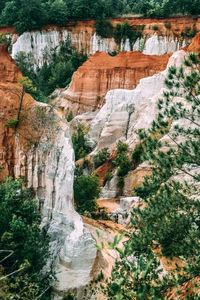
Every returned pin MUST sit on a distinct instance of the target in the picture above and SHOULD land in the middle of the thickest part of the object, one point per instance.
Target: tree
(24, 247)
(25, 85)
(8, 15)
(101, 157)
(58, 12)
(80, 142)
(166, 223)
(86, 190)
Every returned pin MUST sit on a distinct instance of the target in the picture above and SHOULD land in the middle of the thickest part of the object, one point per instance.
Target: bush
(70, 116)
(57, 73)
(189, 32)
(126, 31)
(137, 153)
(108, 176)
(104, 28)
(123, 162)
(86, 190)
(79, 141)
(21, 235)
(155, 27)
(12, 122)
(168, 25)
(101, 157)
(121, 147)
(4, 39)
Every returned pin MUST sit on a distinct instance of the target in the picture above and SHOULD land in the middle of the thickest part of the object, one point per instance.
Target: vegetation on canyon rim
(121, 32)
(166, 223)
(41, 12)
(23, 244)
(57, 73)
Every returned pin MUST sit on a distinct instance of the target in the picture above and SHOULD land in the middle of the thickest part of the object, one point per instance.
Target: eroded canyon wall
(156, 39)
(40, 149)
(102, 72)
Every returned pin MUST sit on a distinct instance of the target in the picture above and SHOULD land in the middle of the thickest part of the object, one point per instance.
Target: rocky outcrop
(9, 74)
(102, 72)
(40, 149)
(156, 40)
(49, 169)
(124, 112)
(195, 45)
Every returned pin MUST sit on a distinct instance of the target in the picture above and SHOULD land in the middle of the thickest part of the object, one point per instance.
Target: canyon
(115, 96)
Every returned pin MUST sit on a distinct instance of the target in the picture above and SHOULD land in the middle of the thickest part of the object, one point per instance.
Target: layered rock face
(83, 36)
(124, 112)
(49, 169)
(9, 74)
(40, 149)
(195, 45)
(102, 72)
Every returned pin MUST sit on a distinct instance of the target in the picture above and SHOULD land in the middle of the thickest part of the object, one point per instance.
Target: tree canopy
(166, 222)
(23, 245)
(41, 12)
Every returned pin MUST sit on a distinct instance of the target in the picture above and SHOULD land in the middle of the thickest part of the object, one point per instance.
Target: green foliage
(168, 25)
(58, 12)
(22, 237)
(137, 154)
(101, 157)
(42, 12)
(125, 31)
(4, 39)
(189, 32)
(86, 190)
(57, 74)
(108, 176)
(70, 116)
(80, 142)
(165, 8)
(155, 27)
(104, 28)
(12, 122)
(69, 297)
(113, 53)
(122, 162)
(168, 224)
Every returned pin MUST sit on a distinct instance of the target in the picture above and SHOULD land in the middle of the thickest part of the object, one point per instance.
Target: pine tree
(167, 222)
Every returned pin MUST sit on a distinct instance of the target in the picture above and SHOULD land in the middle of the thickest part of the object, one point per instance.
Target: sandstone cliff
(9, 74)
(102, 72)
(156, 40)
(40, 149)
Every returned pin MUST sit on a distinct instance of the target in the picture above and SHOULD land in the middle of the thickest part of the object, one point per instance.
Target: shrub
(104, 28)
(123, 162)
(101, 157)
(21, 235)
(12, 122)
(122, 147)
(108, 176)
(155, 27)
(70, 116)
(126, 31)
(113, 53)
(79, 141)
(189, 32)
(4, 39)
(168, 25)
(137, 153)
(86, 190)
(69, 297)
